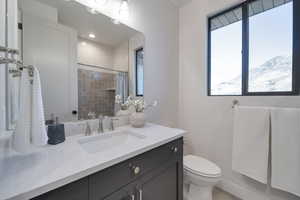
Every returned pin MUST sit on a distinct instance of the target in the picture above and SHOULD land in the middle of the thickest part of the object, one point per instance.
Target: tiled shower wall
(96, 93)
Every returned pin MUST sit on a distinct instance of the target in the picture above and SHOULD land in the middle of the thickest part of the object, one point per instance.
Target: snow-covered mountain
(273, 75)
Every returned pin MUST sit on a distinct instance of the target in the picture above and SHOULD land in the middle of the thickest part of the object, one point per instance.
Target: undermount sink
(108, 141)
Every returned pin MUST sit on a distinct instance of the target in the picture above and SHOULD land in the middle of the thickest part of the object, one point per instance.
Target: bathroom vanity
(137, 164)
(155, 174)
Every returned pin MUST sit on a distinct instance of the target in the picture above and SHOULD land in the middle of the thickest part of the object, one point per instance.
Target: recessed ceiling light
(91, 35)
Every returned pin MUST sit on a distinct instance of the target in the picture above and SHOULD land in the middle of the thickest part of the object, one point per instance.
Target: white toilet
(200, 177)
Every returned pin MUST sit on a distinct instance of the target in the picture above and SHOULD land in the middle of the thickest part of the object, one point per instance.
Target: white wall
(158, 21)
(121, 57)
(93, 53)
(57, 63)
(209, 119)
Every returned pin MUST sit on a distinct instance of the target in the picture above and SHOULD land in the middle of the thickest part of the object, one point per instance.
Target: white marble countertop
(25, 176)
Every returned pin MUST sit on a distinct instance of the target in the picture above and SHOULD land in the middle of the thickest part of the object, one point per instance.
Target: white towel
(286, 150)
(38, 128)
(21, 136)
(251, 142)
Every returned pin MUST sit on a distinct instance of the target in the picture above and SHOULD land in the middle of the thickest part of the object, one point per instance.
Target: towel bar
(9, 50)
(16, 72)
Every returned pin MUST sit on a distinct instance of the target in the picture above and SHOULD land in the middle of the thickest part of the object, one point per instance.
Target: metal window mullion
(245, 49)
(296, 47)
(209, 57)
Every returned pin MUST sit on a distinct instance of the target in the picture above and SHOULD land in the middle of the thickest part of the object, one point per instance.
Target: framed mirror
(84, 58)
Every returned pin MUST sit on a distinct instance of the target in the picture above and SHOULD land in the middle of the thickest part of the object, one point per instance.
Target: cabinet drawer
(109, 180)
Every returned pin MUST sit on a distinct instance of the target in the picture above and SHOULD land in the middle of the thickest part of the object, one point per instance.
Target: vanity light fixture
(92, 35)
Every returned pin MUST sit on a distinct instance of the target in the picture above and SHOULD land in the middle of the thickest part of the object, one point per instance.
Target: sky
(270, 35)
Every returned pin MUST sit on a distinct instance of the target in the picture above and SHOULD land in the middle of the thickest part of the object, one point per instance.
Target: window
(252, 48)
(139, 71)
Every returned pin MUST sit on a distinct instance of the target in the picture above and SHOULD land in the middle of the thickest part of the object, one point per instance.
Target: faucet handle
(88, 130)
(100, 128)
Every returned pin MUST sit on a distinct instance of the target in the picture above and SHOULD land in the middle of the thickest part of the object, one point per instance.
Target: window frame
(136, 70)
(245, 52)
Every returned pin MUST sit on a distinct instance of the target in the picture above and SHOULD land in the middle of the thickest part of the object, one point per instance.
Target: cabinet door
(113, 178)
(128, 192)
(77, 190)
(165, 184)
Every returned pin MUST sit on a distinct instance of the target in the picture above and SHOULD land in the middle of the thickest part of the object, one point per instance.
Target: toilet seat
(201, 166)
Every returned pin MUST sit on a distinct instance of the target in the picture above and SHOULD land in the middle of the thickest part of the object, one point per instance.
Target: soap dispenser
(56, 133)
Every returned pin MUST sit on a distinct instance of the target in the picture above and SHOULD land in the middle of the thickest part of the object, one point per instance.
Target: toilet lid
(201, 166)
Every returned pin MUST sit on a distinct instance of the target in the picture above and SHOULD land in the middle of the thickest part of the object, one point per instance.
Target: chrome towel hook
(235, 103)
(16, 72)
(9, 51)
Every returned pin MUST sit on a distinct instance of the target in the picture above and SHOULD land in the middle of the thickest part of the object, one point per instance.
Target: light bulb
(124, 5)
(100, 2)
(124, 10)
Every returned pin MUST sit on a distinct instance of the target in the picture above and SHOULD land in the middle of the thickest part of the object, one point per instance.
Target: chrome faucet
(112, 126)
(100, 128)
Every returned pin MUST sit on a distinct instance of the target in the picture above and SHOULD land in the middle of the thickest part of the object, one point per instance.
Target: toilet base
(193, 192)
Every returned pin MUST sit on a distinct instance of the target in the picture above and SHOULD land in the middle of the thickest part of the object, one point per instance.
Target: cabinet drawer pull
(132, 197)
(141, 194)
(174, 149)
(135, 169)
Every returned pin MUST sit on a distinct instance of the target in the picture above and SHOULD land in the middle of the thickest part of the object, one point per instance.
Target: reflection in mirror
(139, 68)
(84, 59)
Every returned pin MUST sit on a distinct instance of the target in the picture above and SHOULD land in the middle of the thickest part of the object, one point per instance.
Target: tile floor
(221, 195)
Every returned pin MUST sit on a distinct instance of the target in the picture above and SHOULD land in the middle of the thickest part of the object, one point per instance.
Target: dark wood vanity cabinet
(162, 184)
(165, 184)
(77, 190)
(156, 174)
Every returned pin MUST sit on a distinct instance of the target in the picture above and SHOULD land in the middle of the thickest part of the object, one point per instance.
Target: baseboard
(239, 191)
